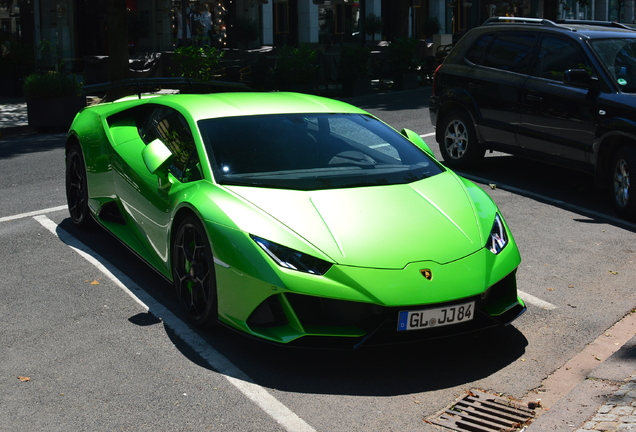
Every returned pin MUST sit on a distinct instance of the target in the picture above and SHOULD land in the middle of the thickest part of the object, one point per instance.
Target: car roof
(589, 29)
(204, 106)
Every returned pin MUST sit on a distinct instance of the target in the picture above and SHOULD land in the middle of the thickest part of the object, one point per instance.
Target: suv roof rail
(597, 23)
(520, 20)
(558, 23)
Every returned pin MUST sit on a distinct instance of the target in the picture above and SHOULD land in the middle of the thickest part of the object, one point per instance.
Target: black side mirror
(579, 78)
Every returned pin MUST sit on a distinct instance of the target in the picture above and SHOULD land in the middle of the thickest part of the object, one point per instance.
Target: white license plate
(426, 318)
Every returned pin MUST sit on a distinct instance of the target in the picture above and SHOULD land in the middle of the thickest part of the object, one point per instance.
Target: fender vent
(482, 412)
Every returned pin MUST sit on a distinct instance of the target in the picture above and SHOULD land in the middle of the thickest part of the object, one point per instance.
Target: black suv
(561, 92)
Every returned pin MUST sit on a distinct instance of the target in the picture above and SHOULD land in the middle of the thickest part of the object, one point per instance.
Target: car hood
(378, 226)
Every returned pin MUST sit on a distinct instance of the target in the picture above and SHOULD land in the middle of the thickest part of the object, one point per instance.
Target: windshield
(311, 152)
(619, 58)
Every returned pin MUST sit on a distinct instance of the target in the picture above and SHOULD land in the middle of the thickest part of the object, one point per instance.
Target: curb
(589, 405)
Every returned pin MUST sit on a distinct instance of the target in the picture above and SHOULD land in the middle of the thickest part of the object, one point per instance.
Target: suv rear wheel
(458, 145)
(623, 163)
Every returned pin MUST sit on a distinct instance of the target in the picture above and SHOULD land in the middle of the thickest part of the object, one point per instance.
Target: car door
(496, 83)
(557, 120)
(149, 198)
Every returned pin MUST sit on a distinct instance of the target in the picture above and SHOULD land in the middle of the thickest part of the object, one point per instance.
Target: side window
(619, 57)
(510, 52)
(558, 55)
(625, 67)
(144, 121)
(172, 128)
(474, 54)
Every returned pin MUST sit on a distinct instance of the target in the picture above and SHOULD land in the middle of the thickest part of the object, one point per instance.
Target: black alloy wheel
(623, 163)
(77, 187)
(193, 273)
(459, 146)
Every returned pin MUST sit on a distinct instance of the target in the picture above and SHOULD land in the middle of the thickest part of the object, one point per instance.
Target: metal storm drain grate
(483, 412)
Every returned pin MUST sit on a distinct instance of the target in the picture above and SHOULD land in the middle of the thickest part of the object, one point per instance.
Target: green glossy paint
(378, 237)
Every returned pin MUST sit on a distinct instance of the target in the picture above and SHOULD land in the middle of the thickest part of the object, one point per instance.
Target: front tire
(459, 146)
(193, 273)
(623, 164)
(77, 188)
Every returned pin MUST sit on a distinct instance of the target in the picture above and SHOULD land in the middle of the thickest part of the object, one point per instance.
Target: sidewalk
(13, 116)
(604, 401)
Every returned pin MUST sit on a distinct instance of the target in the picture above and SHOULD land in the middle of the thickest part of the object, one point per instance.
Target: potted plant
(297, 69)
(354, 70)
(52, 99)
(402, 54)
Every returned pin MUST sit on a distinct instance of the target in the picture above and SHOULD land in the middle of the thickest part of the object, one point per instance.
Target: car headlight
(293, 259)
(498, 238)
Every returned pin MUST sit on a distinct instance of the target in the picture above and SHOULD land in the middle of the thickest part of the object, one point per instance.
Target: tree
(373, 24)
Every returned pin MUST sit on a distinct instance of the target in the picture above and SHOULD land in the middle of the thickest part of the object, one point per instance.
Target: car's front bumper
(333, 323)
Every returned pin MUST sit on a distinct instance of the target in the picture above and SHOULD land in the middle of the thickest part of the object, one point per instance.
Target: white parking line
(260, 396)
(33, 213)
(541, 197)
(535, 301)
(525, 296)
(528, 298)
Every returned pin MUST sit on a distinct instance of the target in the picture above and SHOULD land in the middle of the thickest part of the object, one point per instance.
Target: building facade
(62, 33)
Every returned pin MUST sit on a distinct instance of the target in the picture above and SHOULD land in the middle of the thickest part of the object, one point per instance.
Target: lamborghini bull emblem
(427, 273)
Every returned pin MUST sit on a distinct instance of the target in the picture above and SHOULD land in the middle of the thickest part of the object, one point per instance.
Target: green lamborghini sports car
(293, 218)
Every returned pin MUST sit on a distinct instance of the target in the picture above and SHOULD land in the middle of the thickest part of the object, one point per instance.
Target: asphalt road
(81, 352)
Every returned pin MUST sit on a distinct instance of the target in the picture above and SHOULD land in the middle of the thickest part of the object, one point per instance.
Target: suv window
(619, 57)
(510, 51)
(478, 48)
(557, 55)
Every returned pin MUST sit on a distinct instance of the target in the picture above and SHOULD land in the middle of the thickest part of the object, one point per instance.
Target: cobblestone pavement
(618, 413)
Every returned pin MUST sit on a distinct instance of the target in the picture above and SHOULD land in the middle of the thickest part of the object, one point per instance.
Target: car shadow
(367, 371)
(372, 371)
(12, 146)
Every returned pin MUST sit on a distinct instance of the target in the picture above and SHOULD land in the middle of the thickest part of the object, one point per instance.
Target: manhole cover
(482, 412)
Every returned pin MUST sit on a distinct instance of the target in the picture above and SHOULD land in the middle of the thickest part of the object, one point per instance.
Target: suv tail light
(435, 80)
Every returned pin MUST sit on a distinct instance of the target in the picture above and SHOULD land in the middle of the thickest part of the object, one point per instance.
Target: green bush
(50, 85)
(297, 65)
(195, 62)
(402, 52)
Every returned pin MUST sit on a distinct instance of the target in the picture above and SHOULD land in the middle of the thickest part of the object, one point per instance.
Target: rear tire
(77, 188)
(623, 164)
(459, 146)
(193, 273)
